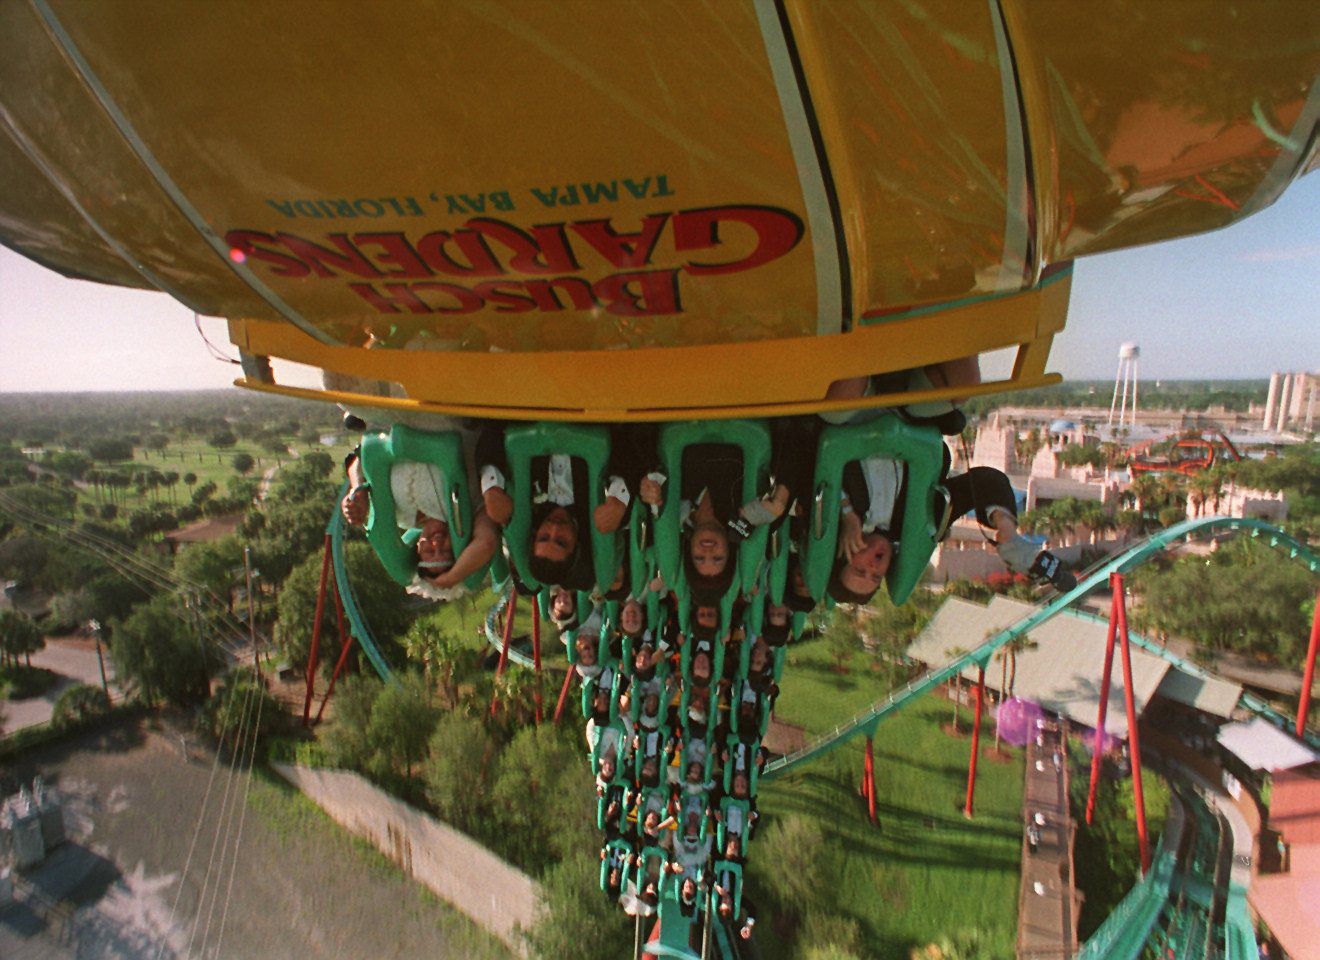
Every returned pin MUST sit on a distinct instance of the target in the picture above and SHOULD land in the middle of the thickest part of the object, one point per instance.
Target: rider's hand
(651, 492)
(851, 538)
(355, 506)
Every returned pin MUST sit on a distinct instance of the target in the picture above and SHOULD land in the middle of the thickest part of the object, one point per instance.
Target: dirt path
(294, 887)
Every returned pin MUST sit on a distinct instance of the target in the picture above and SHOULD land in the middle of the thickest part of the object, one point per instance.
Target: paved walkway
(73, 659)
(1046, 917)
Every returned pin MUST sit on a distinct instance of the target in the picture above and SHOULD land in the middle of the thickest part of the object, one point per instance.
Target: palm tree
(955, 653)
(1146, 488)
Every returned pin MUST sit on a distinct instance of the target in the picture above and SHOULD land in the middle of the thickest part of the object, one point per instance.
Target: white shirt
(884, 480)
(417, 488)
(559, 484)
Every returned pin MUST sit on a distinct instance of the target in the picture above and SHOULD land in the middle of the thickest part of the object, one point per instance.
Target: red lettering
(394, 296)
(397, 252)
(543, 292)
(777, 232)
(480, 261)
(244, 241)
(468, 302)
(348, 258)
(623, 249)
(655, 293)
(505, 301)
(545, 250)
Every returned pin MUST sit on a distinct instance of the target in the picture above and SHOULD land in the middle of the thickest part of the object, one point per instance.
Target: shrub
(79, 706)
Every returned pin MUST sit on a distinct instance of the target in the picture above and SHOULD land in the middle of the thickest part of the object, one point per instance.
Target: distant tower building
(1128, 354)
(1285, 398)
(1272, 400)
(1292, 401)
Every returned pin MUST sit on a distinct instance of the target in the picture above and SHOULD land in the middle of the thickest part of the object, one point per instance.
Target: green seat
(378, 455)
(922, 450)
(641, 548)
(582, 599)
(752, 437)
(592, 446)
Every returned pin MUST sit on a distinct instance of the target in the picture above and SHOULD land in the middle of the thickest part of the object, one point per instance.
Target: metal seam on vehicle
(163, 180)
(1016, 236)
(829, 253)
(1290, 159)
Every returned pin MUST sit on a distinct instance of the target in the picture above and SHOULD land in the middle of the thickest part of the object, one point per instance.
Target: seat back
(592, 446)
(752, 437)
(378, 454)
(921, 449)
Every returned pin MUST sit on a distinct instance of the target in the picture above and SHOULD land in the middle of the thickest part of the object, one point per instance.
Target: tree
(190, 479)
(222, 439)
(19, 637)
(241, 708)
(158, 656)
(402, 720)
(446, 657)
(541, 780)
(110, 449)
(381, 600)
(79, 706)
(573, 919)
(840, 639)
(243, 462)
(346, 739)
(212, 566)
(458, 771)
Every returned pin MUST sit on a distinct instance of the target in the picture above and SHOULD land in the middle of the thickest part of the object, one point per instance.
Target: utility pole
(190, 601)
(95, 626)
(252, 622)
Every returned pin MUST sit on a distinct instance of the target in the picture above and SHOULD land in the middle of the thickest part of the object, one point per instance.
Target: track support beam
(316, 632)
(1099, 747)
(976, 741)
(1308, 672)
(1134, 741)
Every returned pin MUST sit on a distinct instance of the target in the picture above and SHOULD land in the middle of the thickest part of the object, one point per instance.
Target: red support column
(1134, 744)
(868, 780)
(563, 694)
(976, 741)
(1308, 673)
(504, 648)
(536, 654)
(1104, 702)
(345, 644)
(316, 631)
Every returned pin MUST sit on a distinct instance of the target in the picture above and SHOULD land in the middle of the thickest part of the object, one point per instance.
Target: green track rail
(352, 609)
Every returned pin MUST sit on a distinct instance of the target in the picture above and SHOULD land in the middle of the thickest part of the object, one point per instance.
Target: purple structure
(1017, 720)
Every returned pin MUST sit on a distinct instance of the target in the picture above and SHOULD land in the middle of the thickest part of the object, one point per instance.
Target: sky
(1239, 302)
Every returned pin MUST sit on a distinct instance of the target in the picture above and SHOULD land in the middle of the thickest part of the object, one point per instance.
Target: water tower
(1128, 354)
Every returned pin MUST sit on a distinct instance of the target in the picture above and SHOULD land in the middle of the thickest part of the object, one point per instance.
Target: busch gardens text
(489, 263)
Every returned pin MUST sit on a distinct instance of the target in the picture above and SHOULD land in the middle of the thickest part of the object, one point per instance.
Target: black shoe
(355, 423)
(1049, 569)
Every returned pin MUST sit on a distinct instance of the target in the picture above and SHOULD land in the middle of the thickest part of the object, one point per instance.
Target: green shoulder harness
(592, 446)
(922, 450)
(379, 454)
(752, 437)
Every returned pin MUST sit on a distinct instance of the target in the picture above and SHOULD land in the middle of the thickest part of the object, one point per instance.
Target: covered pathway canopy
(1061, 664)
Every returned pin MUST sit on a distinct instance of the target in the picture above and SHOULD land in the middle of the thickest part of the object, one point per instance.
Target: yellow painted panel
(911, 109)
(1162, 119)
(477, 175)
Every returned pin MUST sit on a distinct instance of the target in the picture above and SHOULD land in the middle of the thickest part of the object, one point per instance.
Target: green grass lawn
(925, 871)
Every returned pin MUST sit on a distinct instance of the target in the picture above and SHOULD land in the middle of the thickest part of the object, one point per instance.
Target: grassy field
(204, 461)
(925, 871)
